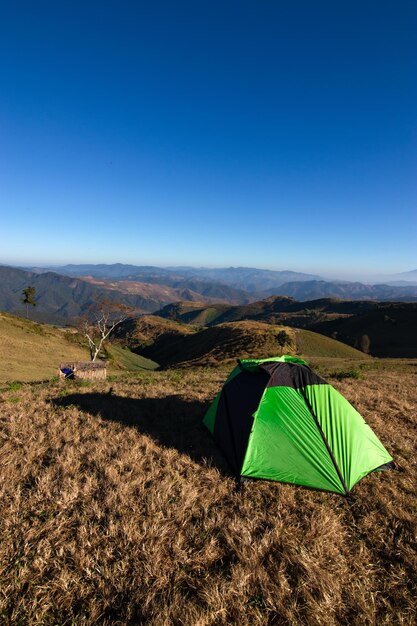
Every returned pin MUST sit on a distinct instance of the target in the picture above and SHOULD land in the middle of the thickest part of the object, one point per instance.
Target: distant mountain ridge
(250, 278)
(60, 299)
(313, 289)
(249, 284)
(410, 276)
(246, 278)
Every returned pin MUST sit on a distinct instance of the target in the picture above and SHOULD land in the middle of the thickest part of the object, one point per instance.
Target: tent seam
(326, 443)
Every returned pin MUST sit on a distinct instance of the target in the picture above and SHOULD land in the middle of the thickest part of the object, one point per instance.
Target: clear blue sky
(264, 133)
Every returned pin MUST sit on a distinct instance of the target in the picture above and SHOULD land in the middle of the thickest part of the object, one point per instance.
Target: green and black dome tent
(276, 419)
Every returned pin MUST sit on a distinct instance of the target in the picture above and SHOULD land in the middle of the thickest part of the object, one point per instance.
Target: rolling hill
(32, 352)
(391, 330)
(220, 344)
(141, 332)
(314, 289)
(275, 309)
(391, 327)
(177, 345)
(189, 290)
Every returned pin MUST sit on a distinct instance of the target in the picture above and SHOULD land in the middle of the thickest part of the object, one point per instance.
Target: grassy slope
(391, 326)
(223, 343)
(116, 508)
(227, 342)
(123, 359)
(311, 344)
(392, 330)
(31, 351)
(148, 328)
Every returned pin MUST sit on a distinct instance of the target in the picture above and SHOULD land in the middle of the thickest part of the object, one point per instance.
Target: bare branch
(99, 322)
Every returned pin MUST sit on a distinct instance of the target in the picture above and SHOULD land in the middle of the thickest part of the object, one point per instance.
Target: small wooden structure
(91, 370)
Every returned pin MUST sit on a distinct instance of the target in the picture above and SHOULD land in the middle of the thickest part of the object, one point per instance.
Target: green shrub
(14, 399)
(37, 329)
(353, 373)
(14, 386)
(81, 382)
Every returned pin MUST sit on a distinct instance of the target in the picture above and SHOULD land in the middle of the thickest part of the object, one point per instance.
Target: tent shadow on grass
(171, 421)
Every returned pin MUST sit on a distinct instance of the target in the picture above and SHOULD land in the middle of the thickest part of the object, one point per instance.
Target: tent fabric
(276, 419)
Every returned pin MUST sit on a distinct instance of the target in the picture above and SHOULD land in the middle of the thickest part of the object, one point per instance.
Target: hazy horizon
(352, 276)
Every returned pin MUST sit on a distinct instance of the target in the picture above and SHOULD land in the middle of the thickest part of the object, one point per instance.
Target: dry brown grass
(116, 508)
(173, 344)
(219, 345)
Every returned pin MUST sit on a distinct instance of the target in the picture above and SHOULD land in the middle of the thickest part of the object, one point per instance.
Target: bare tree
(100, 320)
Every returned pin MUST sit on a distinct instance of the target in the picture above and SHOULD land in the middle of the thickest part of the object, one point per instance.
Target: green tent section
(276, 419)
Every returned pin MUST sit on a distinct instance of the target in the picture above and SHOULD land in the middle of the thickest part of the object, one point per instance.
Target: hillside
(58, 298)
(31, 351)
(220, 344)
(142, 332)
(391, 330)
(310, 344)
(275, 309)
(196, 313)
(117, 508)
(391, 326)
(158, 293)
(314, 289)
(121, 359)
(177, 345)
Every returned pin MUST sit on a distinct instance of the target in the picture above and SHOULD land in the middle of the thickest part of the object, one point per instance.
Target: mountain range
(60, 299)
(247, 279)
(249, 283)
(65, 294)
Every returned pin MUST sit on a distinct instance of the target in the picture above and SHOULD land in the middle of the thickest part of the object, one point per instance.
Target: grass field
(312, 344)
(124, 360)
(31, 351)
(117, 508)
